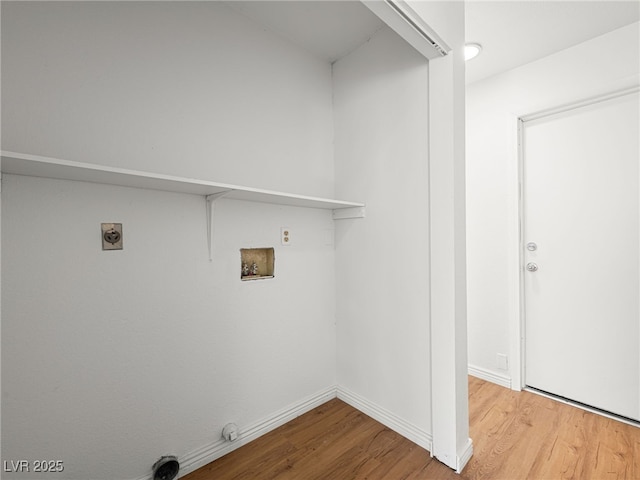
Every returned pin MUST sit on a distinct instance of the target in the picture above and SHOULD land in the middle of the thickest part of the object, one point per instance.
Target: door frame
(516, 238)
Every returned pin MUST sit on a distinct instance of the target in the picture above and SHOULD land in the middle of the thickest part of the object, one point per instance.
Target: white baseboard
(484, 374)
(464, 457)
(212, 451)
(388, 419)
(218, 448)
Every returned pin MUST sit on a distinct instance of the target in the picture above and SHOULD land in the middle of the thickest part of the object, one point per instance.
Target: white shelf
(38, 166)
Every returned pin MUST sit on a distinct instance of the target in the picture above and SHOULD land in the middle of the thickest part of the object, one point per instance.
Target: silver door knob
(532, 246)
(532, 267)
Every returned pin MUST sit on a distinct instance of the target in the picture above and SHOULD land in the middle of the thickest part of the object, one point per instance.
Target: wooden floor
(516, 435)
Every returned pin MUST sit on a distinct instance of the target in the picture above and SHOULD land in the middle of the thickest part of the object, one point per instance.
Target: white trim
(579, 104)
(489, 376)
(401, 18)
(387, 418)
(209, 452)
(584, 407)
(463, 457)
(517, 270)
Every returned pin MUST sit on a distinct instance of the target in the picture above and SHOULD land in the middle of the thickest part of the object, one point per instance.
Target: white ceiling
(328, 29)
(513, 33)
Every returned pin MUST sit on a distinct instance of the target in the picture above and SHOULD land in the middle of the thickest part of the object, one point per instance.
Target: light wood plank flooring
(516, 435)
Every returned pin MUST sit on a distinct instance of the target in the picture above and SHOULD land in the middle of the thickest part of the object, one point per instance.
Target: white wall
(602, 65)
(180, 89)
(166, 87)
(112, 359)
(382, 262)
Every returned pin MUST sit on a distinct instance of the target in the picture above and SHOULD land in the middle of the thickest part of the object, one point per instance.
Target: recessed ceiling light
(472, 50)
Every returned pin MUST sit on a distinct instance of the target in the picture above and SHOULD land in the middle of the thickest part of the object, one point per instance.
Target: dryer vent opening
(166, 468)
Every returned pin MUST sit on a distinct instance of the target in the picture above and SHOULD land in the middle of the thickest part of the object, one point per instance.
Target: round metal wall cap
(166, 468)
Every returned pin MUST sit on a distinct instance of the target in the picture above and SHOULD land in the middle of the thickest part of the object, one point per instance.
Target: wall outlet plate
(285, 236)
(111, 236)
(502, 361)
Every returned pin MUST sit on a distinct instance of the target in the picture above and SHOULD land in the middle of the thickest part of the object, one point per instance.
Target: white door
(581, 278)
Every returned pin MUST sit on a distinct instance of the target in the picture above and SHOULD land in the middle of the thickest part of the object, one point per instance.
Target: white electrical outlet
(502, 361)
(285, 236)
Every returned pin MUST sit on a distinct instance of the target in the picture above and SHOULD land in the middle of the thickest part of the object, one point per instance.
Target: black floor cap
(166, 468)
